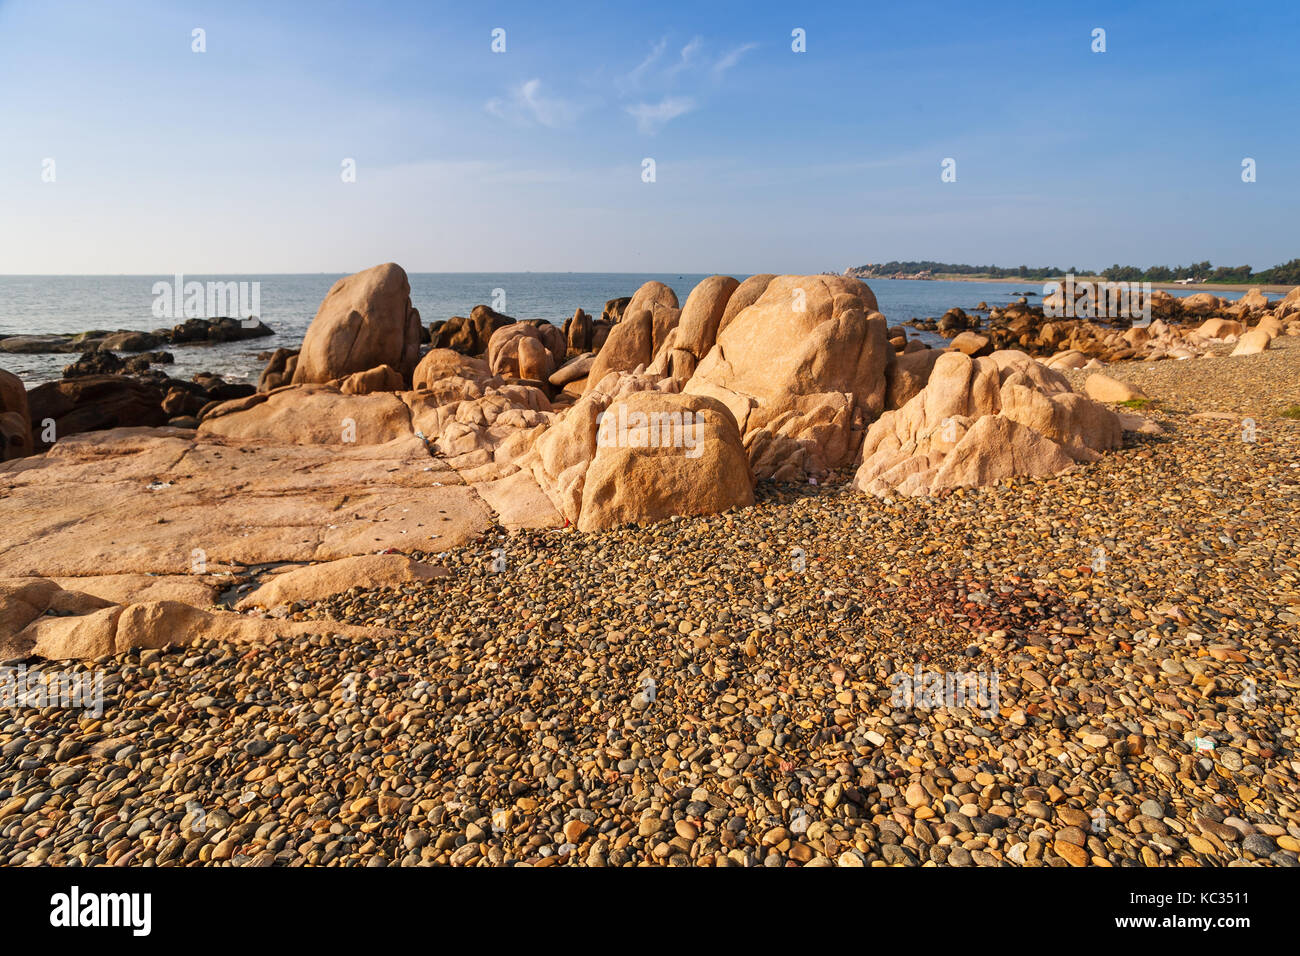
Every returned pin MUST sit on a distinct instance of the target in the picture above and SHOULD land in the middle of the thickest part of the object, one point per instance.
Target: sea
(33, 305)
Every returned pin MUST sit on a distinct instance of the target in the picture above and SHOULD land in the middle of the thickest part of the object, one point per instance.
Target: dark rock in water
(93, 402)
(39, 344)
(956, 320)
(103, 362)
(470, 336)
(223, 329)
(130, 342)
(94, 363)
(138, 364)
(228, 390)
(279, 370)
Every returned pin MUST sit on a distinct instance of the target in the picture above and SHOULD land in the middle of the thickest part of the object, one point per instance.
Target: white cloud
(527, 105)
(651, 117)
(637, 74)
(732, 58)
(687, 57)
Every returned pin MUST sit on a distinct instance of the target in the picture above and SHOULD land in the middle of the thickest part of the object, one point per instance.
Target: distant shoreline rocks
(189, 332)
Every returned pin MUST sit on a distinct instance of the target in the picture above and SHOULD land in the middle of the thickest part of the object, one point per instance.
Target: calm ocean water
(32, 305)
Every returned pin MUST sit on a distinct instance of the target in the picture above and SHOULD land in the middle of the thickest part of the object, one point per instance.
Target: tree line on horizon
(1287, 273)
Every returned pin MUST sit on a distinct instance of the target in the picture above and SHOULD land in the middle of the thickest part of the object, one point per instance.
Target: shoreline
(1168, 286)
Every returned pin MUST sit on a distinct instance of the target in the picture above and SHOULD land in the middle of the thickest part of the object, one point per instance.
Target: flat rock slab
(317, 581)
(161, 501)
(520, 502)
(198, 590)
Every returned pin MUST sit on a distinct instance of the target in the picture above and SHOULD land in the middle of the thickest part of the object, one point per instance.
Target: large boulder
(629, 346)
(15, 419)
(480, 428)
(1253, 301)
(803, 371)
(577, 333)
(1219, 328)
(441, 363)
(1253, 342)
(697, 329)
(630, 451)
(981, 420)
(661, 302)
(660, 454)
(364, 322)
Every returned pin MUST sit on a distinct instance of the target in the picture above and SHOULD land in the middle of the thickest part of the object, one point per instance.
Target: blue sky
(230, 160)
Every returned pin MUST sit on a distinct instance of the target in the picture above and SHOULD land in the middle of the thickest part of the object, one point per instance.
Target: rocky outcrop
(907, 375)
(536, 347)
(92, 403)
(803, 371)
(471, 334)
(615, 309)
(981, 420)
(279, 370)
(481, 428)
(364, 322)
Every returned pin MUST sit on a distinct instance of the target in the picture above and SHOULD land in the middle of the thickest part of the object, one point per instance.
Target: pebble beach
(721, 690)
